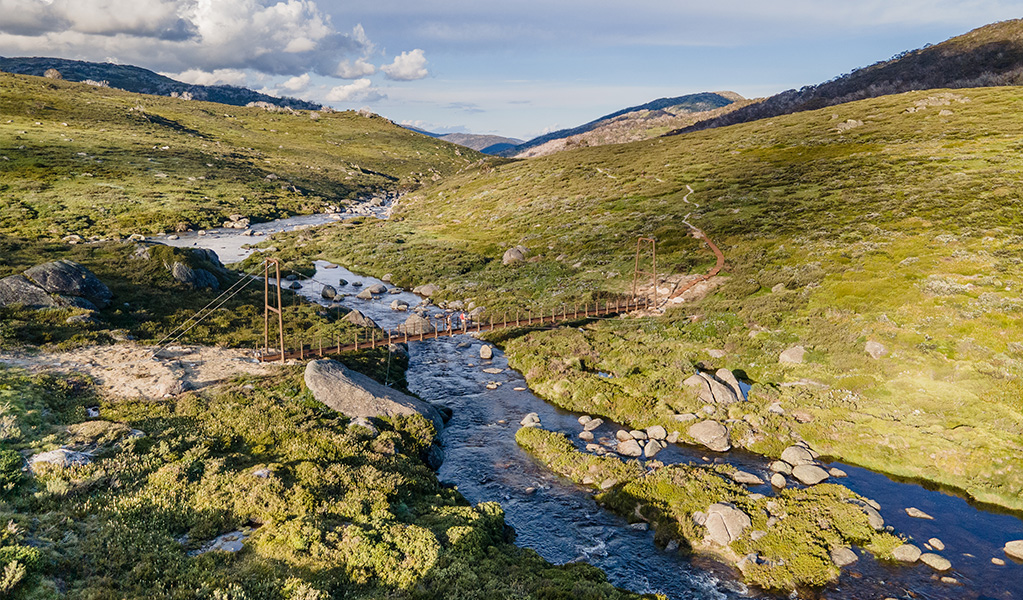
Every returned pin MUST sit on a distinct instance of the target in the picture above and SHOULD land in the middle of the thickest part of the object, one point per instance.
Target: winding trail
(698, 233)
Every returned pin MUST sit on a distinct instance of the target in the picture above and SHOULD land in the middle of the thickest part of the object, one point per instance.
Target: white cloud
(277, 37)
(215, 77)
(407, 66)
(297, 84)
(360, 90)
(347, 69)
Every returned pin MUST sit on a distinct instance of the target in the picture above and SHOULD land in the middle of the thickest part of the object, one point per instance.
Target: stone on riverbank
(843, 557)
(656, 432)
(711, 434)
(809, 474)
(356, 395)
(797, 455)
(746, 478)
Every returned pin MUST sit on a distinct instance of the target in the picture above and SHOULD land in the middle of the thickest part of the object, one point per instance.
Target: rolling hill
(987, 56)
(90, 161)
(143, 81)
(893, 220)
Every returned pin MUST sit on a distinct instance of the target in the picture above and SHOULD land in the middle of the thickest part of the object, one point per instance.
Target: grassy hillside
(77, 159)
(893, 220)
(991, 55)
(325, 509)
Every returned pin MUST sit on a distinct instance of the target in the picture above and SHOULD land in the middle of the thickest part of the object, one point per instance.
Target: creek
(563, 523)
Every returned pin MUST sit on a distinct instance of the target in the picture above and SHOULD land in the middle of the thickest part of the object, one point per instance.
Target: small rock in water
(778, 481)
(486, 352)
(530, 420)
(843, 556)
(780, 466)
(997, 561)
(593, 424)
(493, 370)
(586, 436)
(950, 580)
(906, 553)
(1014, 549)
(519, 389)
(918, 514)
(585, 419)
(836, 472)
(623, 436)
(935, 561)
(640, 526)
(638, 434)
(651, 449)
(936, 543)
(809, 474)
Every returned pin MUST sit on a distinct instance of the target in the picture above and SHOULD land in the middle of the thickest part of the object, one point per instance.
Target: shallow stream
(563, 523)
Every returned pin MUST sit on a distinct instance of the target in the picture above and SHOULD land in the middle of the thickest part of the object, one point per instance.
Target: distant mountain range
(632, 124)
(987, 56)
(144, 81)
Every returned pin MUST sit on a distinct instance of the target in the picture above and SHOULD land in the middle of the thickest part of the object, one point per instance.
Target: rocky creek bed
(563, 522)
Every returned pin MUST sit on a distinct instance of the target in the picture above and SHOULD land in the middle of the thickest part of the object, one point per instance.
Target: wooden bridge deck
(378, 337)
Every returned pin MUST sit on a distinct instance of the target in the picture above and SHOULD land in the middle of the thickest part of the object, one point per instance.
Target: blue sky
(517, 68)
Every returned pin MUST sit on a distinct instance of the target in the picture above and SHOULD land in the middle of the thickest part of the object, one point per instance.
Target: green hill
(991, 55)
(78, 159)
(894, 220)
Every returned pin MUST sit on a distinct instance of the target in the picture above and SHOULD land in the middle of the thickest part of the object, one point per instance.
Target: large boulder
(69, 278)
(629, 448)
(415, 325)
(809, 474)
(702, 388)
(711, 434)
(725, 523)
(196, 278)
(797, 455)
(328, 292)
(356, 395)
(377, 288)
(426, 290)
(61, 457)
(514, 255)
(18, 290)
(721, 392)
(358, 319)
(728, 378)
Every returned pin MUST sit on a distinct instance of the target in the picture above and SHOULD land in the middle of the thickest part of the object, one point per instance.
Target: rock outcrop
(18, 290)
(67, 278)
(356, 395)
(196, 278)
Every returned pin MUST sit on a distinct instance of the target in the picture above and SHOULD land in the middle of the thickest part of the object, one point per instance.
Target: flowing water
(563, 523)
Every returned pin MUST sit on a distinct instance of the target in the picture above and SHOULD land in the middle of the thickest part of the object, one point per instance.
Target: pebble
(997, 561)
(519, 389)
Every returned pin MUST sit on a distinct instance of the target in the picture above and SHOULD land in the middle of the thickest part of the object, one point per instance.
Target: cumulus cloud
(356, 69)
(360, 90)
(407, 66)
(215, 77)
(297, 84)
(276, 37)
